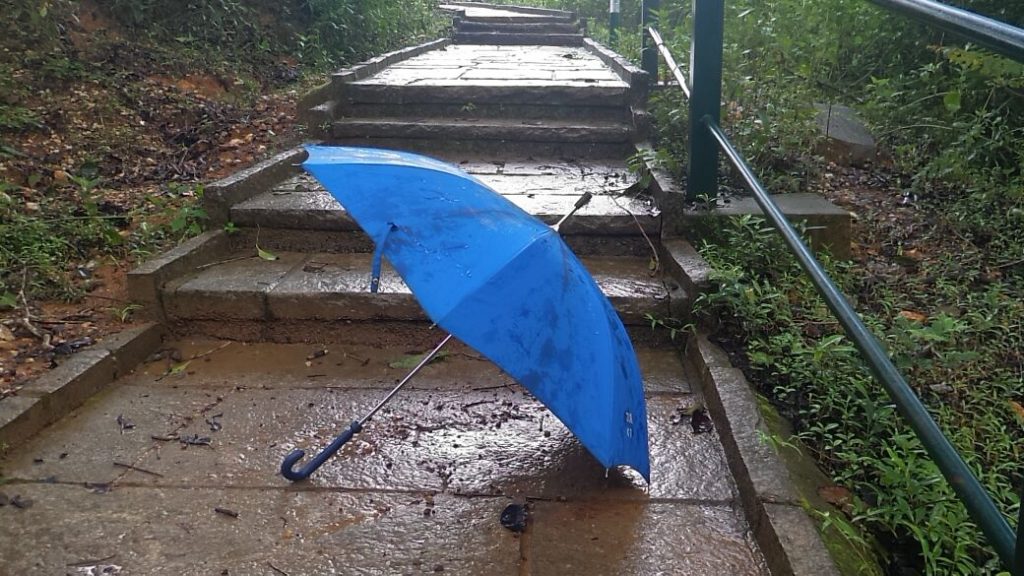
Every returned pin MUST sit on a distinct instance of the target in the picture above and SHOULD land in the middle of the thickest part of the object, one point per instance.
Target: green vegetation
(111, 111)
(942, 287)
(962, 356)
(951, 118)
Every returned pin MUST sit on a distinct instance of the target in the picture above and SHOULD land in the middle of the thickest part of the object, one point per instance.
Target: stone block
(827, 225)
(847, 140)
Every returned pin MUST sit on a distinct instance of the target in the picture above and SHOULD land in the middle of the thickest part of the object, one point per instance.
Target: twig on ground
(1010, 264)
(87, 563)
(26, 320)
(137, 469)
(219, 262)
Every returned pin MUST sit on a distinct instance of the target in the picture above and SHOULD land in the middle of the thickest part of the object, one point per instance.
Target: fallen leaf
(178, 368)
(410, 361)
(269, 256)
(913, 316)
(835, 495)
(1017, 409)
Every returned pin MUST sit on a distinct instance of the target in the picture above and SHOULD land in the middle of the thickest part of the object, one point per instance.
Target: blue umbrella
(501, 281)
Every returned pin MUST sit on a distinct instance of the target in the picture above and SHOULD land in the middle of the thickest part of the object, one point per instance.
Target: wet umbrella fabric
(502, 282)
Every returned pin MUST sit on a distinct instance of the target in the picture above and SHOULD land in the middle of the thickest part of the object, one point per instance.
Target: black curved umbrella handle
(288, 465)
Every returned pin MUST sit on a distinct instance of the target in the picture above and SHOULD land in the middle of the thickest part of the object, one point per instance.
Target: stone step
(524, 91)
(332, 287)
(494, 136)
(544, 190)
(557, 27)
(470, 110)
(502, 129)
(518, 38)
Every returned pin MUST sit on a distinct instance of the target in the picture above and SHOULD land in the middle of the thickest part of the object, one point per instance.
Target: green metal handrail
(704, 93)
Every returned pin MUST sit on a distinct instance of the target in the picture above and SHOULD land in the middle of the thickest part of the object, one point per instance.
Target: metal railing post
(1018, 563)
(614, 8)
(648, 52)
(706, 98)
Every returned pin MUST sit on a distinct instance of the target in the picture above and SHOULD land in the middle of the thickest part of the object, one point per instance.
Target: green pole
(614, 9)
(706, 99)
(648, 52)
(1018, 568)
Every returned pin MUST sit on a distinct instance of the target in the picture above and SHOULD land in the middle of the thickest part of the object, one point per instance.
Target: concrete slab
(70, 530)
(636, 538)
(490, 12)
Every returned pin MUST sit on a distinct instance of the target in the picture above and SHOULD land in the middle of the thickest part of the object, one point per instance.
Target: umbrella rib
(426, 360)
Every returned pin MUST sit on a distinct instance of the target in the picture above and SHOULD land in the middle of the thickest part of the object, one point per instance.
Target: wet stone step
(493, 91)
(483, 437)
(545, 190)
(331, 287)
(528, 27)
(506, 38)
(467, 110)
(448, 129)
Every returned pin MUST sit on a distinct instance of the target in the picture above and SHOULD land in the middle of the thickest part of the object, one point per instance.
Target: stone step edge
(518, 38)
(450, 130)
(56, 393)
(220, 196)
(244, 288)
(775, 508)
(521, 27)
(145, 283)
(554, 12)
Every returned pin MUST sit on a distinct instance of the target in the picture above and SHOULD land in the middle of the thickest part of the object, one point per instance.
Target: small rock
(513, 517)
(701, 422)
(847, 140)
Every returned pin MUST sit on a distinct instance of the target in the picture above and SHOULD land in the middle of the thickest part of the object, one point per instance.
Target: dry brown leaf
(835, 495)
(913, 316)
(1017, 409)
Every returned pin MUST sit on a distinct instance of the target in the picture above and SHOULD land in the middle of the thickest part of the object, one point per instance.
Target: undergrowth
(962, 356)
(949, 117)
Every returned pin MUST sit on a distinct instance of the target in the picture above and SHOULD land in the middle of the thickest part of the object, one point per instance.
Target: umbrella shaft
(426, 360)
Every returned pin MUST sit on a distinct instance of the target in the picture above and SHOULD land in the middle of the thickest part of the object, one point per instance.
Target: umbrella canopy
(502, 282)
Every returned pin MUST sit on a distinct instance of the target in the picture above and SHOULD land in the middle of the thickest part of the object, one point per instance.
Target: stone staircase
(477, 23)
(526, 104)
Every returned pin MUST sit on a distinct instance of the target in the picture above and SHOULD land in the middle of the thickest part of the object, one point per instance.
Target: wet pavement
(174, 470)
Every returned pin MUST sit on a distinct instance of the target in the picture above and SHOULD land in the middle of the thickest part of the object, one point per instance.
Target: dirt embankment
(100, 125)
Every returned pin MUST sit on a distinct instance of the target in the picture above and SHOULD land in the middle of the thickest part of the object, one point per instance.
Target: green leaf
(178, 368)
(268, 256)
(952, 101)
(8, 300)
